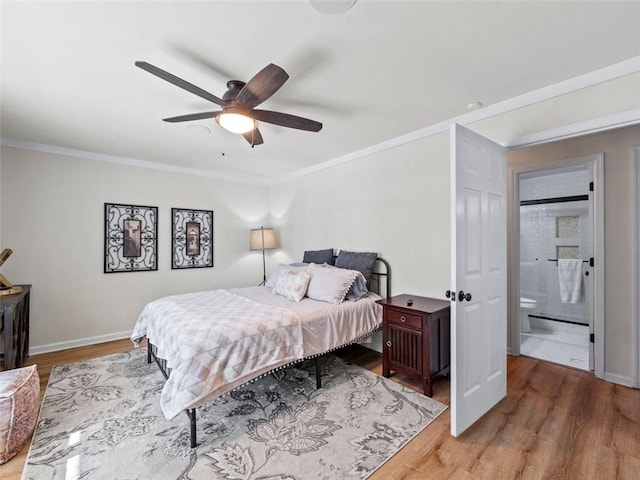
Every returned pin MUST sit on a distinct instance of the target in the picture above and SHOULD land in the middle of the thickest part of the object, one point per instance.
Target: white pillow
(358, 289)
(273, 278)
(329, 284)
(293, 286)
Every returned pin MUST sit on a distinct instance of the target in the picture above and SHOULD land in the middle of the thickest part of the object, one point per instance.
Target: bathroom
(556, 248)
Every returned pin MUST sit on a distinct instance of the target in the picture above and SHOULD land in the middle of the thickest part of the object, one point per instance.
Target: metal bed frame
(378, 279)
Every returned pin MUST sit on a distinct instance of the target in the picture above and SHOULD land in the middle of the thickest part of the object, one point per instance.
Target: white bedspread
(325, 326)
(214, 341)
(217, 340)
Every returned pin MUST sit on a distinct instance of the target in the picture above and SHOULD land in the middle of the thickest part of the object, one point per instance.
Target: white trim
(617, 120)
(599, 293)
(80, 342)
(617, 70)
(514, 262)
(131, 162)
(636, 305)
(619, 379)
(590, 79)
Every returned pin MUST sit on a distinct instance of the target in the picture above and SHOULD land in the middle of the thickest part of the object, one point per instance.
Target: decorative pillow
(359, 288)
(319, 256)
(362, 261)
(329, 284)
(273, 278)
(293, 286)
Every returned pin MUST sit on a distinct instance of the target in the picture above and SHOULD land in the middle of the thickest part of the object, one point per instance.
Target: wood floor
(555, 423)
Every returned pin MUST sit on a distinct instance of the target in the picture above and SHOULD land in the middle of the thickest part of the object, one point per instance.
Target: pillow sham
(319, 256)
(362, 261)
(329, 285)
(292, 286)
(273, 277)
(358, 289)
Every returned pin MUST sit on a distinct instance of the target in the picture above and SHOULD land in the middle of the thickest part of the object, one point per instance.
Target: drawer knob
(403, 318)
(388, 343)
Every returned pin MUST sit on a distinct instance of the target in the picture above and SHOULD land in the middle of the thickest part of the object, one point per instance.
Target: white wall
(539, 240)
(52, 211)
(395, 203)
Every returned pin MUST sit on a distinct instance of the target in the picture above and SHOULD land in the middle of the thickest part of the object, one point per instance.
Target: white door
(479, 277)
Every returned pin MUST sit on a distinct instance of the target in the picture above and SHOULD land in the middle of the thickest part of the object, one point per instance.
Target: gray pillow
(361, 261)
(319, 256)
(358, 290)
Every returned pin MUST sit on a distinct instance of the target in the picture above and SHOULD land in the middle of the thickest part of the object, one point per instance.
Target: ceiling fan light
(236, 122)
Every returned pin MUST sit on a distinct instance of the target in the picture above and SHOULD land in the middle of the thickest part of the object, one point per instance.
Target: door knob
(450, 294)
(464, 296)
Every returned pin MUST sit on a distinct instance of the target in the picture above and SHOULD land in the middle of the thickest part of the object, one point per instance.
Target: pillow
(359, 288)
(273, 278)
(361, 261)
(329, 284)
(293, 286)
(319, 256)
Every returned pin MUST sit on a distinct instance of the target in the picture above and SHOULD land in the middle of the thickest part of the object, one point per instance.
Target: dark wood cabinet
(14, 320)
(416, 335)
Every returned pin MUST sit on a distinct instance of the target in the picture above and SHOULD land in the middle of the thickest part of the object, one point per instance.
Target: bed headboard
(381, 278)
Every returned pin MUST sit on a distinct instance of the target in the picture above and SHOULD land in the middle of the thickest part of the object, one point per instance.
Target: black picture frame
(130, 238)
(192, 238)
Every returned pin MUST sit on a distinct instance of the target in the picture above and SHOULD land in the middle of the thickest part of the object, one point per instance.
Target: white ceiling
(378, 71)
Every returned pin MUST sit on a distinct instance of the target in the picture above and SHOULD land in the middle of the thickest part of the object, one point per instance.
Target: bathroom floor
(557, 342)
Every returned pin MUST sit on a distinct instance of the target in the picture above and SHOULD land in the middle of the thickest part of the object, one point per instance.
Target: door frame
(513, 195)
(636, 167)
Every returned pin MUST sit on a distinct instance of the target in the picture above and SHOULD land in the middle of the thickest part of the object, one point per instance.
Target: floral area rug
(101, 419)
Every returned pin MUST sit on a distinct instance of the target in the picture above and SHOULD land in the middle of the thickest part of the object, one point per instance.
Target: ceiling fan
(238, 114)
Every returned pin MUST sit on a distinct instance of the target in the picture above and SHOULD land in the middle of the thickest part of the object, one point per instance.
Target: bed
(208, 343)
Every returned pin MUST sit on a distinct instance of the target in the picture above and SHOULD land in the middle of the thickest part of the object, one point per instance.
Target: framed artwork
(131, 238)
(192, 238)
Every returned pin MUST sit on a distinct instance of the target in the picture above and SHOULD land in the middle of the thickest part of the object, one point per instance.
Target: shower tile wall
(546, 231)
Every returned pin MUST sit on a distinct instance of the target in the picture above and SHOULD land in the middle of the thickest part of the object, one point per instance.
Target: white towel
(570, 276)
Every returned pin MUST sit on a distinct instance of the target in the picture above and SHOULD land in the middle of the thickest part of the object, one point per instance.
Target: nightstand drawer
(406, 319)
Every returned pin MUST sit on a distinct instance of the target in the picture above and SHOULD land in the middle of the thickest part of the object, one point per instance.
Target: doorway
(559, 294)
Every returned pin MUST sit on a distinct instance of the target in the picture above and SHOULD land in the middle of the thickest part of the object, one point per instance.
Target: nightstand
(416, 335)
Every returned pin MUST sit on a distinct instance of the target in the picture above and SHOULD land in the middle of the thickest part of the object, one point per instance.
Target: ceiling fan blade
(287, 120)
(177, 81)
(192, 116)
(264, 84)
(254, 137)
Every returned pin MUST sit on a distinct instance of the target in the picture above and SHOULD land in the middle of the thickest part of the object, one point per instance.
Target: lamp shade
(262, 239)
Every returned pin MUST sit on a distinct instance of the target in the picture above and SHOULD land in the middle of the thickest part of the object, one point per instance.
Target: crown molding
(131, 162)
(617, 70)
(617, 120)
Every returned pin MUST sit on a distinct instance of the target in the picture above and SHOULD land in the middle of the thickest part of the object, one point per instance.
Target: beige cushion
(19, 402)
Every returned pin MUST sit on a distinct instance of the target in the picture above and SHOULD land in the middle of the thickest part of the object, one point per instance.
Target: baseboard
(81, 342)
(620, 379)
